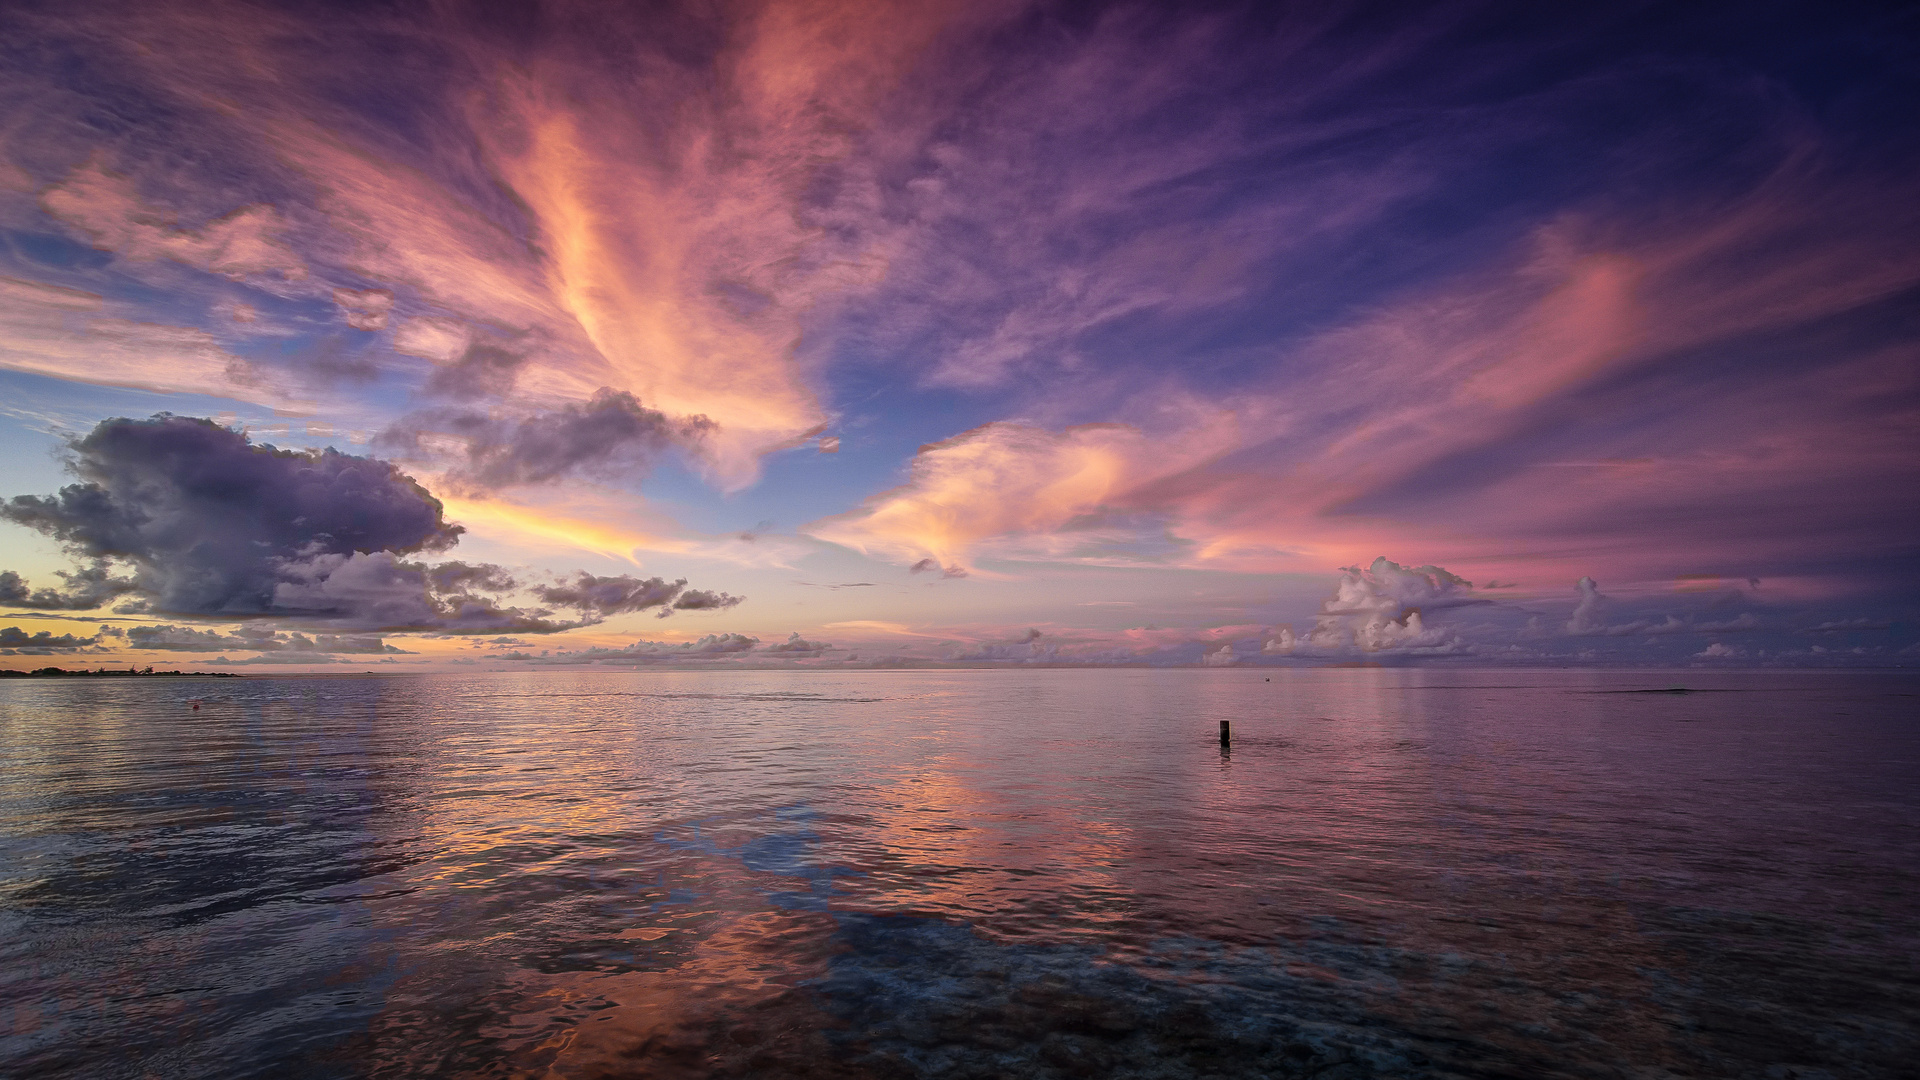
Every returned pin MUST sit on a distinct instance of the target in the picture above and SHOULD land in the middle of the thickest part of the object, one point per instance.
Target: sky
(447, 336)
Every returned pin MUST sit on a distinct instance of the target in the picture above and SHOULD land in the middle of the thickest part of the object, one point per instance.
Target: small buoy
(196, 706)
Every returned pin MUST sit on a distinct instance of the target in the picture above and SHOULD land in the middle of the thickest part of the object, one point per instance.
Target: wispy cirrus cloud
(658, 251)
(1397, 381)
(109, 211)
(1434, 420)
(1613, 292)
(80, 336)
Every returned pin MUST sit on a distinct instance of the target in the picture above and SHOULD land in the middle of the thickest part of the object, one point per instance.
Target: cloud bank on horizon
(1076, 334)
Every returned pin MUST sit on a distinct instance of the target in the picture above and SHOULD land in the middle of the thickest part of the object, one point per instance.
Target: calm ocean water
(962, 873)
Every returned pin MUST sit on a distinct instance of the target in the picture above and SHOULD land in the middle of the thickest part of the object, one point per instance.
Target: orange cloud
(662, 250)
(1332, 461)
(1427, 379)
(681, 250)
(1013, 479)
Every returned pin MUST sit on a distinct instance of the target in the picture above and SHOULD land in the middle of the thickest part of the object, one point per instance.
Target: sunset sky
(852, 334)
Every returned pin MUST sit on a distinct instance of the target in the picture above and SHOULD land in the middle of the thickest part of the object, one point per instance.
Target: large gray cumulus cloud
(213, 526)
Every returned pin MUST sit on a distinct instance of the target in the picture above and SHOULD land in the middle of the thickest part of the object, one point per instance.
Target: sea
(1401, 872)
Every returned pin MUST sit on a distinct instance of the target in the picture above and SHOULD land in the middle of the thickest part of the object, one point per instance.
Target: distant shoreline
(104, 673)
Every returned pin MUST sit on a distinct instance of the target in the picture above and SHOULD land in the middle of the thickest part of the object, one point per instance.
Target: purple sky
(839, 334)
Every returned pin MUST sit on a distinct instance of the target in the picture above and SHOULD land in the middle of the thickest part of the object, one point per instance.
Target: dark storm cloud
(612, 433)
(211, 523)
(213, 526)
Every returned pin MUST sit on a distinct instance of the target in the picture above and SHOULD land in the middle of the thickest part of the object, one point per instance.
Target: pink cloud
(81, 337)
(1015, 482)
(1059, 231)
(658, 249)
(106, 208)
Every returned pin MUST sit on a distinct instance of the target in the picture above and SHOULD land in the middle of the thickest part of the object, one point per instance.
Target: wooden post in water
(1226, 739)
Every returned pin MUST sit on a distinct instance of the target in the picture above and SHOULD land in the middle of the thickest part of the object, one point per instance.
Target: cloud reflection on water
(943, 873)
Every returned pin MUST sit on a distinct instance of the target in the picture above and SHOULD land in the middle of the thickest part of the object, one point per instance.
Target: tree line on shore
(51, 672)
